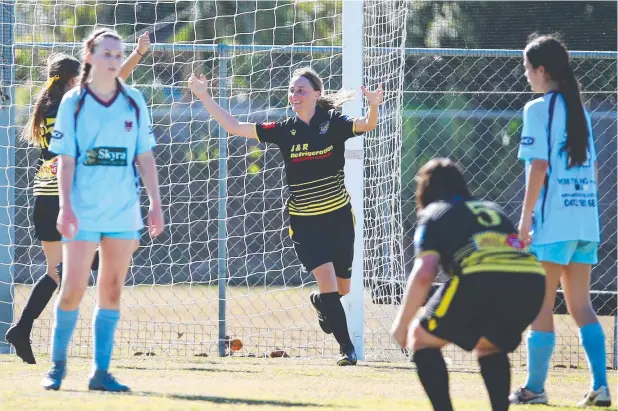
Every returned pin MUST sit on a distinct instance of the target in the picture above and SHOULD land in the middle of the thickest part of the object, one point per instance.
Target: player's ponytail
(549, 52)
(61, 69)
(441, 179)
(325, 101)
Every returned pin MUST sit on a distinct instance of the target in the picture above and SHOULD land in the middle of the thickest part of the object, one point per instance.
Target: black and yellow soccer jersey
(314, 156)
(46, 176)
(472, 236)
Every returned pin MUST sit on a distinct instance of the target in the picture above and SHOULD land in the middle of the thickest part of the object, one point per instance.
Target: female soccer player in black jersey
(321, 217)
(495, 290)
(63, 74)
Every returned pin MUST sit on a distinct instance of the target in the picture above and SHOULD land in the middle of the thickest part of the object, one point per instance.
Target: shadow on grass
(225, 400)
(196, 369)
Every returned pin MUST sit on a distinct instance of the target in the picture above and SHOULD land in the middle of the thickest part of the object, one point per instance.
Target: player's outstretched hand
(155, 221)
(374, 98)
(198, 85)
(143, 43)
(66, 224)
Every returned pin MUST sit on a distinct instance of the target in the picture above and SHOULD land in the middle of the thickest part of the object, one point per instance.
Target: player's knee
(70, 298)
(417, 337)
(583, 314)
(110, 294)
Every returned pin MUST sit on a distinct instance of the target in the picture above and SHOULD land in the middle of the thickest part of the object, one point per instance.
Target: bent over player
(494, 292)
(321, 217)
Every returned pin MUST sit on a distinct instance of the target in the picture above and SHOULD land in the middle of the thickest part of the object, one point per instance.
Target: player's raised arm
(143, 45)
(370, 120)
(199, 87)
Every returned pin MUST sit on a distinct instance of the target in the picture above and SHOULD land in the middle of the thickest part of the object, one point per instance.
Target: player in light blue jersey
(103, 137)
(560, 215)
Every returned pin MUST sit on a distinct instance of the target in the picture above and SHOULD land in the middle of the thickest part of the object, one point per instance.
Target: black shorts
(44, 214)
(496, 305)
(325, 238)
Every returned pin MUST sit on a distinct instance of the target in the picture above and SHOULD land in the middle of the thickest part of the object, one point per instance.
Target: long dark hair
(550, 52)
(325, 101)
(61, 69)
(440, 179)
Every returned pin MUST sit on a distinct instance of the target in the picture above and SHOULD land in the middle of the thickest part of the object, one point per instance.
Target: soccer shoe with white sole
(597, 398)
(55, 375)
(314, 297)
(102, 380)
(524, 396)
(19, 338)
(348, 357)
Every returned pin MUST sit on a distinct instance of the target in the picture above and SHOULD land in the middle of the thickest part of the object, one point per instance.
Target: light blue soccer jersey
(104, 138)
(567, 208)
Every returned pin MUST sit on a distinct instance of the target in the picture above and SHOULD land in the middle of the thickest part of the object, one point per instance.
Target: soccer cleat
(315, 301)
(598, 398)
(55, 375)
(348, 357)
(525, 396)
(102, 380)
(20, 339)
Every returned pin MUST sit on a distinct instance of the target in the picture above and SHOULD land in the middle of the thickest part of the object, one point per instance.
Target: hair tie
(50, 82)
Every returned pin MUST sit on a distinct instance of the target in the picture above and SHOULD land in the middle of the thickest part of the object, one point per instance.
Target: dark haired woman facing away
(560, 214)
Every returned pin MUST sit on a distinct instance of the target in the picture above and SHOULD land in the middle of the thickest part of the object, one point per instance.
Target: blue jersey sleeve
(63, 140)
(145, 138)
(534, 140)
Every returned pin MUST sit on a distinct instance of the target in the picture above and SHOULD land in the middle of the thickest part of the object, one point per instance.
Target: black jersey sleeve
(427, 236)
(342, 126)
(270, 132)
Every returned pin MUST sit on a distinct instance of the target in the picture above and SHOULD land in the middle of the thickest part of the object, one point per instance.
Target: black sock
(433, 374)
(37, 301)
(496, 372)
(333, 311)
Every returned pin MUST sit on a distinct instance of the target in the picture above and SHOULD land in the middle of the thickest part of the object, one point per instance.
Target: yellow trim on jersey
(312, 190)
(321, 205)
(319, 179)
(507, 267)
(318, 210)
(301, 213)
(319, 201)
(322, 199)
(445, 302)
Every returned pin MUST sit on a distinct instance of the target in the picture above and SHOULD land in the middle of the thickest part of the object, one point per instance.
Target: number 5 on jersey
(484, 215)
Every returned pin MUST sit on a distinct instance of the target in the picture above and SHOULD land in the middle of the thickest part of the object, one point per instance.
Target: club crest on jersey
(128, 125)
(324, 127)
(293, 132)
(57, 134)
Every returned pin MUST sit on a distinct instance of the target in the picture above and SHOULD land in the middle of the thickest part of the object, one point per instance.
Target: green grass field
(166, 384)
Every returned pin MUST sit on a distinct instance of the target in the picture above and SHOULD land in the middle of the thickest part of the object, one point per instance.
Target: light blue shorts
(565, 252)
(96, 236)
